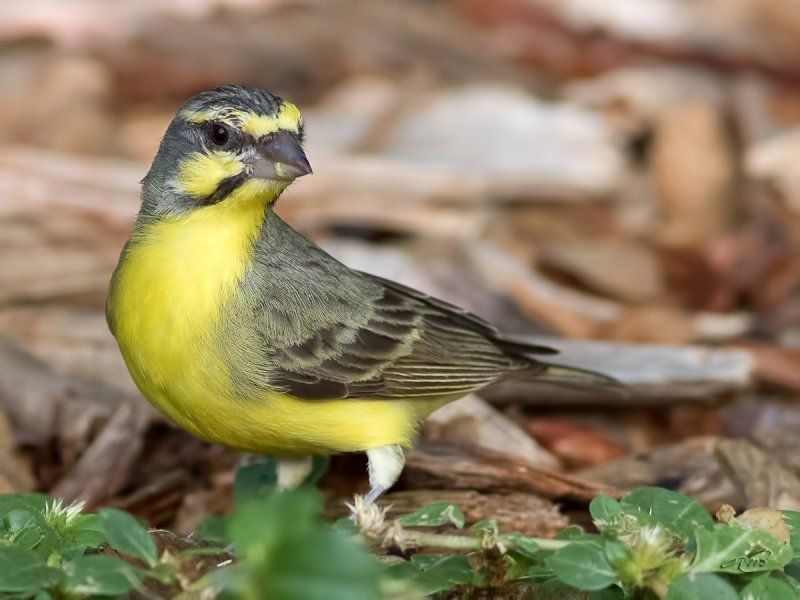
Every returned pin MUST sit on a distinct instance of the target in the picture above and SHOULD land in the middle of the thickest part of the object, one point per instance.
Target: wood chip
(15, 472)
(622, 270)
(35, 397)
(434, 466)
(714, 470)
(651, 374)
(699, 204)
(471, 420)
(104, 468)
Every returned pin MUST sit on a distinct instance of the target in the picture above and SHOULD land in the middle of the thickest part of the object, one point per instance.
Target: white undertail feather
(293, 471)
(385, 465)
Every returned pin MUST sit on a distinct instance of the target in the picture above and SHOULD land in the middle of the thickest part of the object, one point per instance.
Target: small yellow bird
(247, 334)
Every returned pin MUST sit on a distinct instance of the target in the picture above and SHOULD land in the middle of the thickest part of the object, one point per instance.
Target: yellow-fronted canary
(247, 334)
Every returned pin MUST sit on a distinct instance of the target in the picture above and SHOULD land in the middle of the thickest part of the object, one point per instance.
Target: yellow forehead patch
(200, 174)
(287, 119)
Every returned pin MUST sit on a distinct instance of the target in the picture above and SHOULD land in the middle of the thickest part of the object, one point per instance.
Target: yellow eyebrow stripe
(200, 116)
(287, 119)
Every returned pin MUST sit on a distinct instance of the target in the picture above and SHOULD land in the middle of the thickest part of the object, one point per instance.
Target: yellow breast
(170, 297)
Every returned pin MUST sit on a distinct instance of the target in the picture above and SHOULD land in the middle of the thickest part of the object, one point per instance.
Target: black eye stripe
(224, 188)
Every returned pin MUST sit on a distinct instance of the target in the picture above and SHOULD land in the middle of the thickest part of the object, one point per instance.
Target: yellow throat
(169, 294)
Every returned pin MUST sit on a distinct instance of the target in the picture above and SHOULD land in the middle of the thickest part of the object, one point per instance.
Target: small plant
(652, 543)
(48, 548)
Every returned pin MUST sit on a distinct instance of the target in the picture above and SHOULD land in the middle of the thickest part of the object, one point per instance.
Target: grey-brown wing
(408, 346)
(457, 315)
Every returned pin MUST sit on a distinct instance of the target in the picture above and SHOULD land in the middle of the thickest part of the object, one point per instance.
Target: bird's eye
(219, 134)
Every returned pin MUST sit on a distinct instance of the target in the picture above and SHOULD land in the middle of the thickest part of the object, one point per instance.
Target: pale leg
(385, 465)
(293, 471)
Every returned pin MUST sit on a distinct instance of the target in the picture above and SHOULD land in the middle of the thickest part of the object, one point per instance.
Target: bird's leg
(385, 464)
(293, 471)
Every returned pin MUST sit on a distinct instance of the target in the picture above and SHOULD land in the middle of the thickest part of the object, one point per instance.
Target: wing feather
(411, 346)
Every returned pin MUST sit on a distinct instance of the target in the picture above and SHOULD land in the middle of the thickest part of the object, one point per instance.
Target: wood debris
(430, 466)
(619, 184)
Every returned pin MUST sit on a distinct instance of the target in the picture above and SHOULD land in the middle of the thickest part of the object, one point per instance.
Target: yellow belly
(197, 393)
(281, 425)
(168, 299)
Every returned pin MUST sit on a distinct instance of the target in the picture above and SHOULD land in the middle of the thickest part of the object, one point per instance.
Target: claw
(367, 515)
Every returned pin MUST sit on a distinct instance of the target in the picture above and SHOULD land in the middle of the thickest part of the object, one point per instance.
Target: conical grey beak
(280, 158)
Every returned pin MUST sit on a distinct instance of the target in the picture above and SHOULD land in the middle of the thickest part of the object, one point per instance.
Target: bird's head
(230, 144)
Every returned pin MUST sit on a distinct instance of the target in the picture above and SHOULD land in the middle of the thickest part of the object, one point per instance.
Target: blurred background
(624, 175)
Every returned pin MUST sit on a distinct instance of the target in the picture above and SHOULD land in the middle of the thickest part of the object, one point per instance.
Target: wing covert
(407, 348)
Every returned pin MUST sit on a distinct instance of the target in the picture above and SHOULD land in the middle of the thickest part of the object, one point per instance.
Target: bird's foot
(385, 464)
(357, 500)
(366, 514)
(360, 501)
(374, 493)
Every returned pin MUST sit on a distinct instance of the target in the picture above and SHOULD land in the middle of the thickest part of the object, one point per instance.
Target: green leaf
(16, 512)
(540, 573)
(29, 502)
(734, 549)
(522, 544)
(582, 566)
(793, 569)
(604, 509)
(617, 553)
(260, 479)
(22, 529)
(17, 520)
(518, 566)
(487, 526)
(556, 590)
(434, 515)
(262, 523)
(123, 533)
(347, 526)
(100, 575)
(792, 582)
(214, 529)
(255, 481)
(792, 520)
(21, 570)
(574, 533)
(286, 551)
(693, 586)
(82, 532)
(86, 530)
(571, 533)
(676, 512)
(767, 588)
(322, 565)
(610, 593)
(319, 466)
(433, 573)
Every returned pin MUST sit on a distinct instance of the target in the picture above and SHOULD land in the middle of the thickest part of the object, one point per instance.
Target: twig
(424, 539)
(372, 521)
